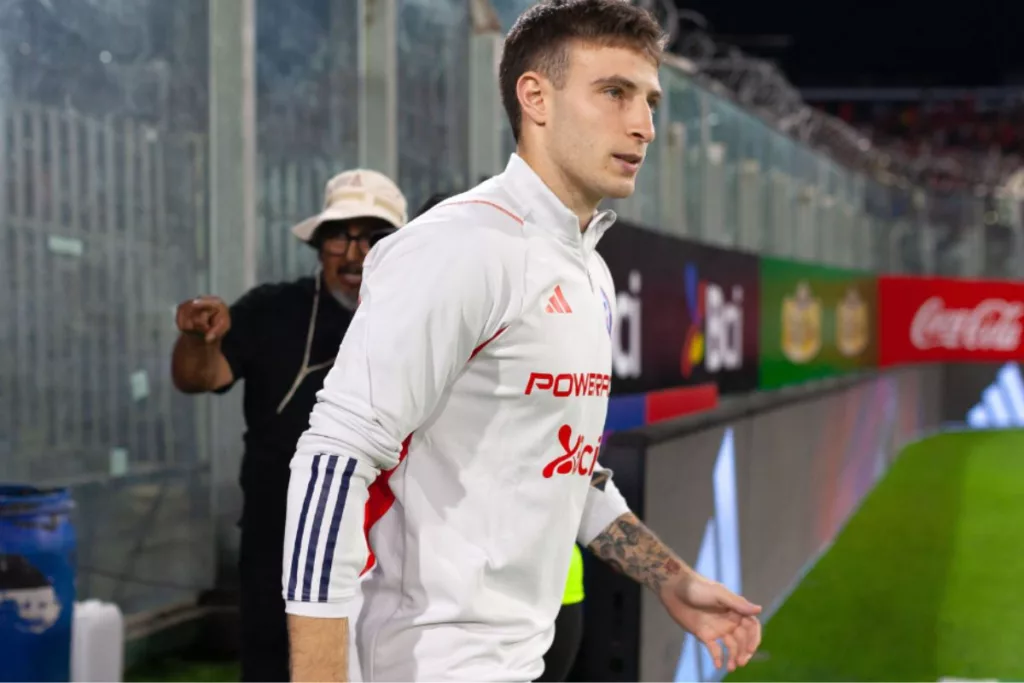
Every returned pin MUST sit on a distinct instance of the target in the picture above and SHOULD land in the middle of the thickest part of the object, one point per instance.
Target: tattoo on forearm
(632, 549)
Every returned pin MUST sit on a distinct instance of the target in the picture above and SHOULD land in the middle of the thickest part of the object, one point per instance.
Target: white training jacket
(459, 430)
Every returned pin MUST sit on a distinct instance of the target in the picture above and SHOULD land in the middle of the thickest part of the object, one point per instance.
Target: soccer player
(568, 630)
(452, 456)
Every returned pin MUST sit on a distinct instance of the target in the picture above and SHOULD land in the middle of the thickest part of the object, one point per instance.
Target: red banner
(926, 320)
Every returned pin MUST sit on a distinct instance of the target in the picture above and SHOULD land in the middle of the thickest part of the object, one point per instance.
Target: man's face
(343, 251)
(602, 120)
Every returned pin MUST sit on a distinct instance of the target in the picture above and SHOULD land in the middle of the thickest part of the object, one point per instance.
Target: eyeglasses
(339, 245)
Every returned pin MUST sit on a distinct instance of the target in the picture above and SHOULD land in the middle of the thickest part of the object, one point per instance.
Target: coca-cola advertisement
(687, 313)
(927, 319)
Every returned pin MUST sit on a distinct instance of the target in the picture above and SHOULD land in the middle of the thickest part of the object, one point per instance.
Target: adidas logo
(718, 558)
(557, 302)
(1002, 403)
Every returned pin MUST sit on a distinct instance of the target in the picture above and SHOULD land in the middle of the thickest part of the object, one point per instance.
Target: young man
(281, 339)
(568, 634)
(460, 426)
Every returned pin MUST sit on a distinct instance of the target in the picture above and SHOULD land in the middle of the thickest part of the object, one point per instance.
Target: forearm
(319, 648)
(630, 548)
(195, 364)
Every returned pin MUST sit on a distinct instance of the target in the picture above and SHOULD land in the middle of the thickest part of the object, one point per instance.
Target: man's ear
(532, 90)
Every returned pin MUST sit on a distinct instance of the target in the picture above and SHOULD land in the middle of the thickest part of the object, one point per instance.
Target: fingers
(204, 316)
(204, 303)
(738, 604)
(181, 318)
(751, 628)
(733, 648)
(740, 643)
(218, 324)
(186, 314)
(715, 650)
(198, 320)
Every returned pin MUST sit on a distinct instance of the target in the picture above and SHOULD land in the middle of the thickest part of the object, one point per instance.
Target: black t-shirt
(265, 347)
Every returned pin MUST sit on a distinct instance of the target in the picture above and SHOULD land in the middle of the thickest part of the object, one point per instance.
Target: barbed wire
(760, 87)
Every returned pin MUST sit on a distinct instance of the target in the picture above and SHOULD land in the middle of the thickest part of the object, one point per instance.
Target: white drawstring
(306, 369)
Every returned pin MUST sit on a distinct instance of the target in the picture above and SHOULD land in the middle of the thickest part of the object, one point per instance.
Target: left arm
(616, 536)
(703, 607)
(630, 548)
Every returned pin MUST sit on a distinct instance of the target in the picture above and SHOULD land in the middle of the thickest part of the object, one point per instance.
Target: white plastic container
(97, 642)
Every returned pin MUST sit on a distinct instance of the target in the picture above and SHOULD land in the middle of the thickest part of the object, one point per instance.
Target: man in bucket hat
(282, 339)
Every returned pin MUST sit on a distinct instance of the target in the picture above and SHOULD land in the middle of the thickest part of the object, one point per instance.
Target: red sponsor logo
(567, 384)
(578, 457)
(925, 319)
(991, 325)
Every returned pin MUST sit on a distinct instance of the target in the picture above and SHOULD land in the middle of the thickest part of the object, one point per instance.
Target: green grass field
(926, 580)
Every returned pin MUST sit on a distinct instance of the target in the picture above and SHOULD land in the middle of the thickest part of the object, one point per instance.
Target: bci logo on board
(627, 344)
(714, 334)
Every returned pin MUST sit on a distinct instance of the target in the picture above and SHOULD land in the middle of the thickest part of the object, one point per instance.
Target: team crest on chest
(607, 306)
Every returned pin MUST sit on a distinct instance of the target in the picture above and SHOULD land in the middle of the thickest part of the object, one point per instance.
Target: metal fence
(98, 242)
(105, 199)
(735, 180)
(290, 192)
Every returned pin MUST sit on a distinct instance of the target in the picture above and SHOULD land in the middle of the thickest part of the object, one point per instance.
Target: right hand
(206, 316)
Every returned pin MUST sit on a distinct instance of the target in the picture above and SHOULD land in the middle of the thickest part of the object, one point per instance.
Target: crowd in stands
(950, 142)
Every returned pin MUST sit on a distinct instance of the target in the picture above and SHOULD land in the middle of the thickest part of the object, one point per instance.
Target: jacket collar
(541, 206)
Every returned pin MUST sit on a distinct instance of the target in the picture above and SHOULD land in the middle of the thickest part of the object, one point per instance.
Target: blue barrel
(37, 583)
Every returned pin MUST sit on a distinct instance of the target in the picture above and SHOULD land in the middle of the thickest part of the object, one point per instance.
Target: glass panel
(433, 98)
(307, 105)
(103, 196)
(684, 103)
(755, 140)
(722, 189)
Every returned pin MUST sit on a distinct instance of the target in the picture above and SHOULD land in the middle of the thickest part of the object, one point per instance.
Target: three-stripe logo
(1002, 403)
(305, 550)
(717, 559)
(557, 303)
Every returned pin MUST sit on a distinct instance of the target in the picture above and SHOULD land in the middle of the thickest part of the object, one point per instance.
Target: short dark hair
(540, 38)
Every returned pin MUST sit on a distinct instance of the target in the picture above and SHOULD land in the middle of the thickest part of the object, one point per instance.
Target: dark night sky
(848, 43)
